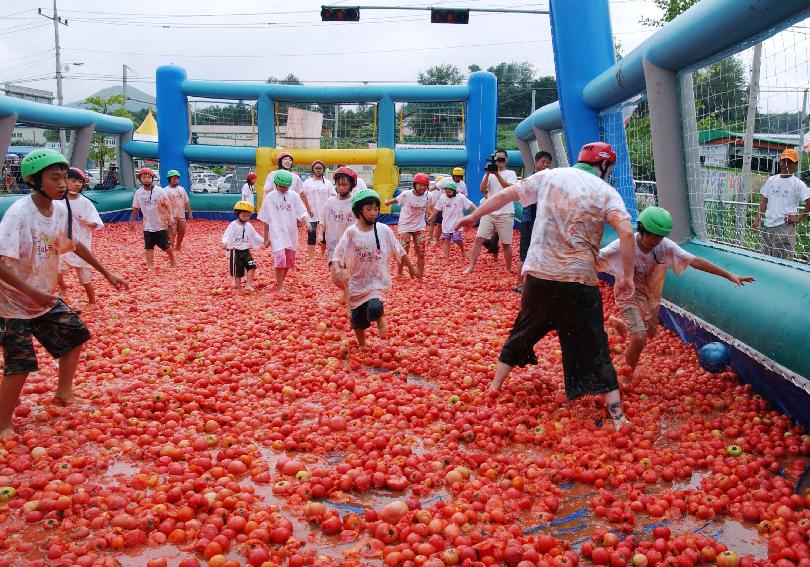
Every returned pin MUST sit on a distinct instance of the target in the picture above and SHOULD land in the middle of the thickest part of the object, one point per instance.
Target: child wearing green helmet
(34, 231)
(655, 254)
(281, 212)
(360, 264)
(179, 206)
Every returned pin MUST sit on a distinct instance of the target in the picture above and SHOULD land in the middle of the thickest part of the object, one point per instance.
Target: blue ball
(714, 357)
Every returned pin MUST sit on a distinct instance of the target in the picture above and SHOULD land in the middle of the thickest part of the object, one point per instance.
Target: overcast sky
(259, 38)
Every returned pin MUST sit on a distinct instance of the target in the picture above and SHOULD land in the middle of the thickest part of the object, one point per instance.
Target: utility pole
(748, 143)
(59, 98)
(124, 87)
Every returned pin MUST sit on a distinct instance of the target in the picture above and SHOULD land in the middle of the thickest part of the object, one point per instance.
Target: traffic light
(449, 16)
(340, 14)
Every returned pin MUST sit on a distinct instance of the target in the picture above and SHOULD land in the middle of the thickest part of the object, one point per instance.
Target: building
(722, 148)
(25, 93)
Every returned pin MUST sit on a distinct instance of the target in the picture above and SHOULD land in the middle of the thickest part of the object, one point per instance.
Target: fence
(223, 123)
(439, 123)
(338, 126)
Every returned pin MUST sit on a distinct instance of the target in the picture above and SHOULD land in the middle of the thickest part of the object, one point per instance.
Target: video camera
(491, 166)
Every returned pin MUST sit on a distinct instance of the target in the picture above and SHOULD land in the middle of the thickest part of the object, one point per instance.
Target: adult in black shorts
(159, 238)
(542, 160)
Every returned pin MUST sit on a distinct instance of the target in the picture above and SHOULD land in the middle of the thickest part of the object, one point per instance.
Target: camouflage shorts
(60, 330)
(417, 237)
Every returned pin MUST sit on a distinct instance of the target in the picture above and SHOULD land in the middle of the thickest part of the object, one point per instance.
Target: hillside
(138, 99)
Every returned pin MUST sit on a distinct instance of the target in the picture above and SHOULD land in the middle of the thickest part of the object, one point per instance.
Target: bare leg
(170, 252)
(150, 259)
(637, 343)
(446, 249)
(502, 370)
(519, 278)
(613, 401)
(280, 274)
(91, 293)
(476, 249)
(181, 233)
(382, 326)
(507, 257)
(461, 247)
(249, 284)
(420, 262)
(10, 388)
(619, 325)
(311, 251)
(67, 370)
(400, 263)
(237, 283)
(361, 337)
(172, 233)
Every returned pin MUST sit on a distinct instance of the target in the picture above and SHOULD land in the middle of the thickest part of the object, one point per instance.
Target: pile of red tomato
(228, 429)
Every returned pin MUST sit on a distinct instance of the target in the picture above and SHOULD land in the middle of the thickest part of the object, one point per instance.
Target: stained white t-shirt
(177, 199)
(412, 211)
(30, 245)
(241, 236)
(434, 196)
(367, 264)
(248, 194)
(83, 211)
(572, 208)
(649, 273)
(317, 192)
(281, 211)
(784, 194)
(336, 217)
(269, 185)
(155, 212)
(494, 187)
(452, 210)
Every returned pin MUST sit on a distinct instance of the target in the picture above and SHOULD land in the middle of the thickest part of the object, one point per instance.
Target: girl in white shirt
(315, 192)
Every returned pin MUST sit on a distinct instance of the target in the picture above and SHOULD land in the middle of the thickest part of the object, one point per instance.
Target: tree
(290, 79)
(721, 93)
(114, 106)
(514, 87)
(473, 68)
(671, 9)
(445, 74)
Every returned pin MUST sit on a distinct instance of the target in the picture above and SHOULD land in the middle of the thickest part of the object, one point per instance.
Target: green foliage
(639, 143)
(721, 94)
(114, 106)
(671, 9)
(23, 143)
(444, 74)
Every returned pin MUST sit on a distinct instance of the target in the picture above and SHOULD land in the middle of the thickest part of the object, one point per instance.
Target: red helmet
(250, 176)
(148, 170)
(421, 178)
(596, 152)
(348, 172)
(282, 155)
(78, 172)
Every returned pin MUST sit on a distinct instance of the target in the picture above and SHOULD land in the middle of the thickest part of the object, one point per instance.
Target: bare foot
(621, 422)
(383, 328)
(496, 385)
(619, 325)
(69, 401)
(468, 270)
(6, 433)
(249, 288)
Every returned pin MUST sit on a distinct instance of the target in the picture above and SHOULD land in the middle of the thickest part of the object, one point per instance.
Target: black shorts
(240, 262)
(526, 228)
(159, 238)
(60, 330)
(363, 315)
(574, 310)
(311, 234)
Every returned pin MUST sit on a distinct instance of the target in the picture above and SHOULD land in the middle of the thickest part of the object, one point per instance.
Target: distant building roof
(736, 138)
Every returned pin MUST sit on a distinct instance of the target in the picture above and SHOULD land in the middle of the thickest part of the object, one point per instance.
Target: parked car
(93, 178)
(226, 184)
(204, 183)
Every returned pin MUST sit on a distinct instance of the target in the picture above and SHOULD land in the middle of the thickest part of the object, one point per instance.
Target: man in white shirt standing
(500, 221)
(780, 197)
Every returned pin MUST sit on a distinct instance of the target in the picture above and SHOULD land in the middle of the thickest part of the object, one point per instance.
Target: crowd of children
(43, 236)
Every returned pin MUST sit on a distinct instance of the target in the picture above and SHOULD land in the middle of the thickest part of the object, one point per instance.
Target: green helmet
(283, 178)
(365, 194)
(450, 185)
(656, 221)
(38, 160)
(172, 173)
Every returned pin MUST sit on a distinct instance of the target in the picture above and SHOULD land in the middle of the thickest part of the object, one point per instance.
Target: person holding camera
(500, 221)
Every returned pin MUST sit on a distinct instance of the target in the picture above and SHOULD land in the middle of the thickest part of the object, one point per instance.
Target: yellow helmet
(243, 206)
(458, 171)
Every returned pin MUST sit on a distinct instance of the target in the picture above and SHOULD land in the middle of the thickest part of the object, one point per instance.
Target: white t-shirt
(154, 206)
(367, 264)
(30, 244)
(452, 210)
(281, 211)
(177, 199)
(241, 236)
(317, 192)
(269, 185)
(572, 208)
(412, 211)
(494, 187)
(83, 211)
(434, 196)
(336, 217)
(249, 194)
(784, 194)
(650, 270)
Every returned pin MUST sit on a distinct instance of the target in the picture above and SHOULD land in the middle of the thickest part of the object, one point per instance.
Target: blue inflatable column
(386, 123)
(481, 128)
(173, 123)
(267, 122)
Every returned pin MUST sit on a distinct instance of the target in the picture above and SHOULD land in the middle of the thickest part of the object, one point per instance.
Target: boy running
(655, 254)
(360, 264)
(452, 205)
(413, 206)
(281, 211)
(85, 221)
(33, 232)
(239, 238)
(336, 214)
(153, 202)
(316, 191)
(180, 205)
